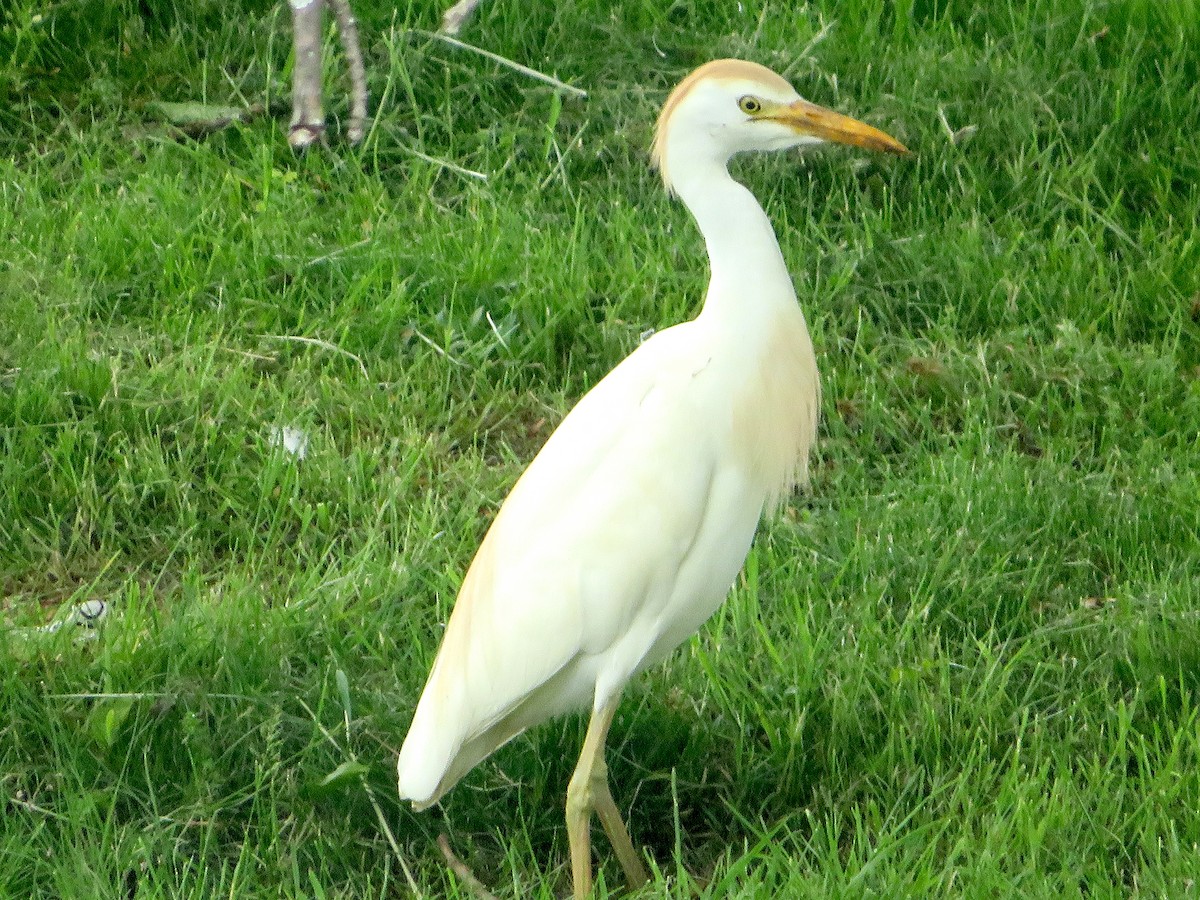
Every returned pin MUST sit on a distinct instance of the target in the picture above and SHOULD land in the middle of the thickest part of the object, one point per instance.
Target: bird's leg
(348, 32)
(308, 121)
(614, 827)
(588, 790)
(579, 803)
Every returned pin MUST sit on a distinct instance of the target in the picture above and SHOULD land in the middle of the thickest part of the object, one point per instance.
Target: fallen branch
(460, 869)
(497, 58)
(317, 342)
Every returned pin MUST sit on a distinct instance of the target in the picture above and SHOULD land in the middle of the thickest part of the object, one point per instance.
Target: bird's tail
(424, 758)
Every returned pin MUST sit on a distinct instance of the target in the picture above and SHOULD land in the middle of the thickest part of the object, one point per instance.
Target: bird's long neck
(751, 306)
(750, 281)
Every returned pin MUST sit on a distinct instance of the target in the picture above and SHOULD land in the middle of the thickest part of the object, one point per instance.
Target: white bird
(627, 530)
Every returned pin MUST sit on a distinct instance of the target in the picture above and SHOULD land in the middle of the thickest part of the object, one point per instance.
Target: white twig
(146, 695)
(41, 810)
(444, 163)
(248, 355)
(334, 254)
(463, 871)
(497, 58)
(439, 348)
(496, 331)
(317, 342)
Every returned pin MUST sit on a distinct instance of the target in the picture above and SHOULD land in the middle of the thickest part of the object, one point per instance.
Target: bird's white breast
(621, 538)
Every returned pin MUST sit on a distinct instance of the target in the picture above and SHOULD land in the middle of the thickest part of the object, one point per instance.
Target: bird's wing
(593, 531)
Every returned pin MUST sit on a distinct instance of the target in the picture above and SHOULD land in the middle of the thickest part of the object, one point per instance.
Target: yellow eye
(750, 105)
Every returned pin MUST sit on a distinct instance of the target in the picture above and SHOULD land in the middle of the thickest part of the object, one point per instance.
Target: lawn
(964, 662)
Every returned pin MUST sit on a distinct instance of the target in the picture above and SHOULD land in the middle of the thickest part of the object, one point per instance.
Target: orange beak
(808, 118)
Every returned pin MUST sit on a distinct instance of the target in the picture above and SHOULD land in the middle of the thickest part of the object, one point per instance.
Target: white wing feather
(601, 517)
(619, 540)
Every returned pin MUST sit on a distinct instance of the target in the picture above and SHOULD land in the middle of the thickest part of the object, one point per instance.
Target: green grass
(967, 662)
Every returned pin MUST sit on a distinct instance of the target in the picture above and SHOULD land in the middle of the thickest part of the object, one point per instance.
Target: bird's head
(730, 106)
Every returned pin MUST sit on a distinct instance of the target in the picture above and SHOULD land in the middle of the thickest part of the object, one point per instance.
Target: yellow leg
(614, 827)
(588, 790)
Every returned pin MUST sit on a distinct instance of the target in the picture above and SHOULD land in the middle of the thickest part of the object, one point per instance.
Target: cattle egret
(626, 531)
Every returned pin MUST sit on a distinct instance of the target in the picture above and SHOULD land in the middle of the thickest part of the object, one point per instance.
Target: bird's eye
(749, 105)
